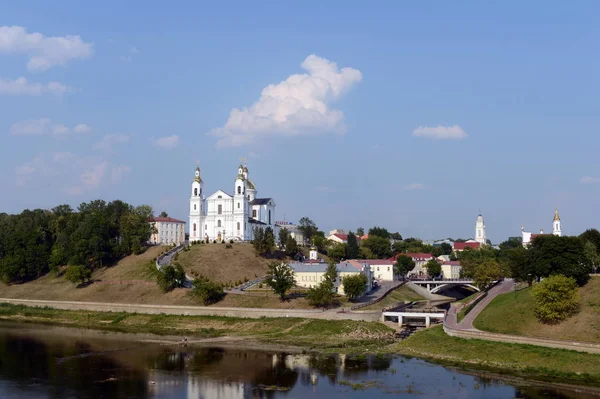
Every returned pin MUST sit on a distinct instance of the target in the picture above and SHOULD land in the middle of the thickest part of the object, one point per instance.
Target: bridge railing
(439, 280)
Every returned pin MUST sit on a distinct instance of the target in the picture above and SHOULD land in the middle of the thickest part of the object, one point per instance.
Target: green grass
(401, 294)
(521, 360)
(496, 318)
(463, 312)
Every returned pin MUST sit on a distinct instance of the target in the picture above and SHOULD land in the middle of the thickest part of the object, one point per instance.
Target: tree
(291, 246)
(331, 275)
(284, 233)
(433, 267)
(560, 255)
(337, 251)
(380, 246)
(320, 242)
(264, 240)
(555, 299)
(487, 272)
(360, 232)
(352, 247)
(258, 241)
(354, 284)
(396, 236)
(323, 294)
(307, 227)
(379, 231)
(519, 265)
(511, 243)
(206, 290)
(591, 235)
(280, 277)
(404, 265)
(78, 274)
(164, 214)
(171, 277)
(446, 248)
(591, 254)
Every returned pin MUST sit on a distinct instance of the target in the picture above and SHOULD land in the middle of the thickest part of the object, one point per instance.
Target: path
(382, 289)
(465, 328)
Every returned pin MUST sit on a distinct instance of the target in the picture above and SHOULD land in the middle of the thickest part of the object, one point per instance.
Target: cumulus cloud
(23, 87)
(44, 126)
(440, 132)
(293, 107)
(44, 52)
(166, 143)
(111, 140)
(415, 186)
(589, 180)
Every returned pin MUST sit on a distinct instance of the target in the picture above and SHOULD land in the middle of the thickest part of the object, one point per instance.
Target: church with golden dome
(556, 230)
(224, 216)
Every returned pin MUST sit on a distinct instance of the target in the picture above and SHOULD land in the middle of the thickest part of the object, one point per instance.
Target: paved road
(378, 292)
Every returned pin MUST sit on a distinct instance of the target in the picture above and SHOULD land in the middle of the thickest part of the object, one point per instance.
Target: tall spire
(556, 217)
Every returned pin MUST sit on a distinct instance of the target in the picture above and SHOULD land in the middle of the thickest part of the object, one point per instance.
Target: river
(48, 362)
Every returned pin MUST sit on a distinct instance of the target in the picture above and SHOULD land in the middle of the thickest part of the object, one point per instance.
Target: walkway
(465, 328)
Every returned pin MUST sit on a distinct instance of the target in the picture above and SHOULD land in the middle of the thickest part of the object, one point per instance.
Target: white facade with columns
(224, 216)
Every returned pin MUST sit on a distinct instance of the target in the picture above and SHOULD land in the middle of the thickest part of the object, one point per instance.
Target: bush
(206, 290)
(214, 241)
(171, 277)
(354, 285)
(176, 257)
(78, 274)
(555, 298)
(228, 246)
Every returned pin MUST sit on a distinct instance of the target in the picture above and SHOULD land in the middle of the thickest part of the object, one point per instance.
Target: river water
(44, 362)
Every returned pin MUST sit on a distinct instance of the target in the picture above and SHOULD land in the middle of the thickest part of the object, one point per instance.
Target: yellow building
(311, 274)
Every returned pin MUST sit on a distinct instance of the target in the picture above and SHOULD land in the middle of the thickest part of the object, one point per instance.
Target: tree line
(97, 234)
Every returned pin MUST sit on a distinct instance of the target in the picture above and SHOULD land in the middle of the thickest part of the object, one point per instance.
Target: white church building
(480, 231)
(224, 216)
(556, 230)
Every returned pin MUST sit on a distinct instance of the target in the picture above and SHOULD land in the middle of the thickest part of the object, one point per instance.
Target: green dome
(250, 185)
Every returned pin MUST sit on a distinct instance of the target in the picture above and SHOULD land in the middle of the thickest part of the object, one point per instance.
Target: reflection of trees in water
(361, 364)
(327, 365)
(279, 375)
(544, 393)
(68, 367)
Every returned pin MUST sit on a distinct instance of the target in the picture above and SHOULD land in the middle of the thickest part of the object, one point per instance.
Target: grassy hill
(512, 313)
(224, 265)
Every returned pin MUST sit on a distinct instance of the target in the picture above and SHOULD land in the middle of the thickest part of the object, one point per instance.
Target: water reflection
(36, 363)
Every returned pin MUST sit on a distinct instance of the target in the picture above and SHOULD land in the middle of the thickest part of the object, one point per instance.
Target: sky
(414, 116)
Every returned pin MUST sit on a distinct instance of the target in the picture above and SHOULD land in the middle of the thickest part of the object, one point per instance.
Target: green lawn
(512, 313)
(403, 293)
(522, 360)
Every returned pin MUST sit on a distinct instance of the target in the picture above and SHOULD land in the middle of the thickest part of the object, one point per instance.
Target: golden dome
(556, 218)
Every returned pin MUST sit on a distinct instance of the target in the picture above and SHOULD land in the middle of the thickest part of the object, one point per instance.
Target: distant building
(451, 269)
(339, 238)
(293, 230)
(310, 274)
(461, 246)
(420, 260)
(480, 231)
(556, 230)
(382, 269)
(438, 243)
(167, 231)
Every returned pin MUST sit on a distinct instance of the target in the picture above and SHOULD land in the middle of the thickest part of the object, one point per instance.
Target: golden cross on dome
(243, 160)
(198, 163)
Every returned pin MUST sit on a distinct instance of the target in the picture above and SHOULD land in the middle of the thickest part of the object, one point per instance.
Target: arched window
(238, 226)
(194, 227)
(220, 209)
(239, 189)
(218, 223)
(195, 192)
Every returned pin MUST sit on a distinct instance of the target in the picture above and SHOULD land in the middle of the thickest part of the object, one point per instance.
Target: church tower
(240, 205)
(196, 211)
(556, 224)
(480, 231)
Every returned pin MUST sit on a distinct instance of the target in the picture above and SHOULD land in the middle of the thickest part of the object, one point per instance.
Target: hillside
(131, 280)
(223, 264)
(512, 313)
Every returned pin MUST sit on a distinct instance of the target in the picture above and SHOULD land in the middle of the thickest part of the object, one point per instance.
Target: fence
(374, 301)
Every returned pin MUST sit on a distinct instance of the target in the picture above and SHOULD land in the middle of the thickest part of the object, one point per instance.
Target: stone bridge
(436, 285)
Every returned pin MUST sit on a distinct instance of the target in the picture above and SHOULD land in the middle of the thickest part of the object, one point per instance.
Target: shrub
(354, 285)
(214, 241)
(171, 277)
(78, 274)
(206, 290)
(555, 298)
(176, 257)
(231, 241)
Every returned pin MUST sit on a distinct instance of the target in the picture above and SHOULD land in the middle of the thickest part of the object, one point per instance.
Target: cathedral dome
(250, 185)
(556, 218)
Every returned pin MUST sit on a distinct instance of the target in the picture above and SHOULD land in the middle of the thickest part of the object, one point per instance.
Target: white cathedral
(223, 216)
(556, 230)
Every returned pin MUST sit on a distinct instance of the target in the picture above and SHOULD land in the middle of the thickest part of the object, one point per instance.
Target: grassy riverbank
(338, 336)
(529, 361)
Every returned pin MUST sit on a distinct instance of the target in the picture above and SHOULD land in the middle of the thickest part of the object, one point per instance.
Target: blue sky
(444, 109)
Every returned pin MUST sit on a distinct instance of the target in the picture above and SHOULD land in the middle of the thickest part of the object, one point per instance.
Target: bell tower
(556, 229)
(196, 208)
(480, 231)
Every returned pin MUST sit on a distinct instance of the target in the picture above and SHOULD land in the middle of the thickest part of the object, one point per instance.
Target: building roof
(451, 262)
(414, 255)
(343, 267)
(375, 262)
(254, 221)
(260, 201)
(343, 237)
(166, 219)
(462, 245)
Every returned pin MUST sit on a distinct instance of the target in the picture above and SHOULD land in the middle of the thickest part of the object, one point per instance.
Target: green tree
(331, 275)
(284, 233)
(320, 242)
(518, 263)
(380, 246)
(591, 235)
(323, 293)
(396, 236)
(360, 232)
(269, 241)
(337, 251)
(487, 272)
(560, 255)
(511, 243)
(291, 246)
(400, 247)
(446, 248)
(379, 232)
(164, 214)
(591, 254)
(434, 268)
(206, 290)
(352, 251)
(307, 227)
(354, 284)
(171, 277)
(404, 265)
(258, 239)
(555, 299)
(280, 277)
(78, 274)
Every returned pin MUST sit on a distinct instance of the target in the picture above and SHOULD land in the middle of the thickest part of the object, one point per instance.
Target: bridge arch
(442, 287)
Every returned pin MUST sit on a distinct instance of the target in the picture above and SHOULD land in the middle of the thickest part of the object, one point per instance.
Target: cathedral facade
(224, 216)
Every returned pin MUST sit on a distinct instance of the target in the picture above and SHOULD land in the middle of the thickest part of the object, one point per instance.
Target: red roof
(343, 237)
(166, 219)
(451, 262)
(462, 245)
(414, 255)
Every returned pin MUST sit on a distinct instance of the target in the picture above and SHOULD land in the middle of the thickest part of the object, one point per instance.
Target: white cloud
(415, 186)
(22, 86)
(44, 126)
(440, 132)
(166, 143)
(589, 180)
(44, 52)
(111, 140)
(119, 172)
(296, 106)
